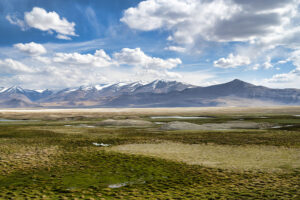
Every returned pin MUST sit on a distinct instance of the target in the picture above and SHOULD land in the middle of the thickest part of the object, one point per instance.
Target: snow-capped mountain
(2, 89)
(161, 86)
(233, 93)
(109, 91)
(13, 90)
(119, 88)
(17, 91)
(153, 94)
(16, 96)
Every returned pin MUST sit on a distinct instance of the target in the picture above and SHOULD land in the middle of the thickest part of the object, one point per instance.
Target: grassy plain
(49, 154)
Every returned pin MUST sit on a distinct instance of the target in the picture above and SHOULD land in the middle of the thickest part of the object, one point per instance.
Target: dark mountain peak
(238, 82)
(46, 90)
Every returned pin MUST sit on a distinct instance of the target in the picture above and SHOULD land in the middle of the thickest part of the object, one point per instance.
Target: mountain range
(158, 93)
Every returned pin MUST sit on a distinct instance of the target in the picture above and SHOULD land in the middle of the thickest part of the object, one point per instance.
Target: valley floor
(128, 154)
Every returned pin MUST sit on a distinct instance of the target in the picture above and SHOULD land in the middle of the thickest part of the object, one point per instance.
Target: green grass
(91, 173)
(46, 160)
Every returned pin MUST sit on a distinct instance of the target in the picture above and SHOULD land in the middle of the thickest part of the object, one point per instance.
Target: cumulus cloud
(180, 16)
(31, 48)
(137, 57)
(40, 19)
(54, 77)
(56, 70)
(290, 79)
(263, 5)
(232, 61)
(282, 78)
(131, 57)
(98, 59)
(260, 26)
(193, 21)
(10, 66)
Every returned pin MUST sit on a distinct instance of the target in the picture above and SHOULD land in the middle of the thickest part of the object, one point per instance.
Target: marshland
(211, 153)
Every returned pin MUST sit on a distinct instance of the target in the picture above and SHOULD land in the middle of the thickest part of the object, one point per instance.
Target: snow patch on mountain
(2, 89)
(101, 87)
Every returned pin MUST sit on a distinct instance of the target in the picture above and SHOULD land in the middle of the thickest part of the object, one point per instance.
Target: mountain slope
(217, 95)
(158, 93)
(241, 89)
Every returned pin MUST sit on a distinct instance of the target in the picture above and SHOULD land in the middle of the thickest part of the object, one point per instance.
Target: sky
(57, 44)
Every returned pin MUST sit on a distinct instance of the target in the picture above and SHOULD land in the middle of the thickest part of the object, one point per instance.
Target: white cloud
(63, 37)
(154, 14)
(232, 61)
(190, 22)
(289, 79)
(57, 70)
(98, 59)
(180, 16)
(14, 20)
(295, 58)
(40, 19)
(146, 67)
(176, 48)
(281, 62)
(285, 77)
(255, 67)
(131, 57)
(10, 66)
(202, 78)
(136, 57)
(31, 48)
(268, 64)
(154, 74)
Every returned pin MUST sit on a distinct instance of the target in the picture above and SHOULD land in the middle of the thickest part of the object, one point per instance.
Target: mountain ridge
(158, 93)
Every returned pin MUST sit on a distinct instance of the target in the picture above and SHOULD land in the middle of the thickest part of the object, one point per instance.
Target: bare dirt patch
(254, 157)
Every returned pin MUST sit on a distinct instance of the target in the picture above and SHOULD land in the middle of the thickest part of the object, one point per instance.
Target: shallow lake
(178, 117)
(16, 120)
(10, 120)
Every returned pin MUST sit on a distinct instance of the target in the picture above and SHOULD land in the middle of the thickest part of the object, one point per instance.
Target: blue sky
(57, 44)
